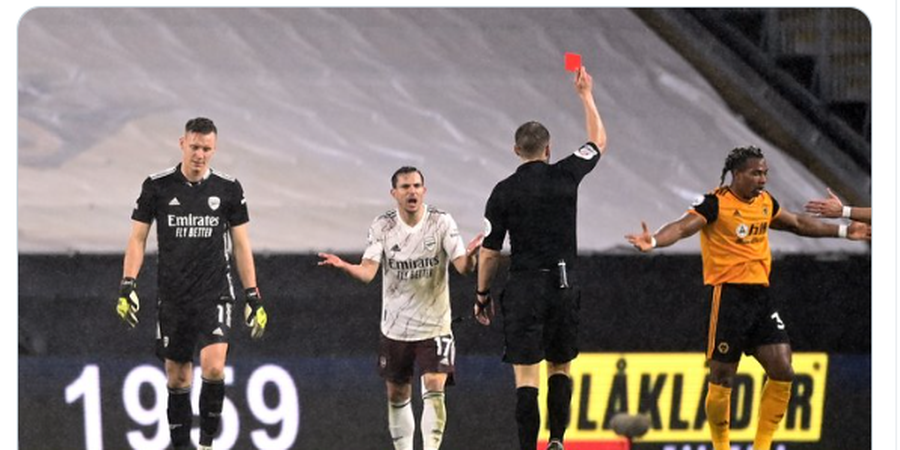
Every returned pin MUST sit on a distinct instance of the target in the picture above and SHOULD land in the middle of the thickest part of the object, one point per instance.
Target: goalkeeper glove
(255, 315)
(129, 304)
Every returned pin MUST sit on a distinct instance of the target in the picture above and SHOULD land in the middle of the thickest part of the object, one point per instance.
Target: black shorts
(397, 359)
(540, 320)
(742, 317)
(184, 327)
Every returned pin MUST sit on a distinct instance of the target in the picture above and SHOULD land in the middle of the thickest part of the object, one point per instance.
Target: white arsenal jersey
(414, 260)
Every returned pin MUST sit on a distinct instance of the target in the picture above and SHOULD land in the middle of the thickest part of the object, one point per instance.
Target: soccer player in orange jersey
(733, 222)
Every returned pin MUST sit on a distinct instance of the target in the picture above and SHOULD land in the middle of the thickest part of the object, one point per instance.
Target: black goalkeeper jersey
(537, 206)
(193, 221)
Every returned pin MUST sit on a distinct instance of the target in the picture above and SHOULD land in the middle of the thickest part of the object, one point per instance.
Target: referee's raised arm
(596, 132)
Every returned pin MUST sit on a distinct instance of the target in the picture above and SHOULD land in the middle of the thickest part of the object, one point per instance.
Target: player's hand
(331, 260)
(643, 241)
(484, 309)
(129, 304)
(474, 245)
(859, 231)
(831, 207)
(255, 315)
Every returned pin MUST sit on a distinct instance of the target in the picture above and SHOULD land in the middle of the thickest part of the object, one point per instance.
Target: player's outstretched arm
(584, 86)
(364, 271)
(830, 207)
(861, 214)
(833, 208)
(808, 226)
(670, 233)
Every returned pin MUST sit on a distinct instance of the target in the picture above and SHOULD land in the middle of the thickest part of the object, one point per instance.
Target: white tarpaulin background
(317, 107)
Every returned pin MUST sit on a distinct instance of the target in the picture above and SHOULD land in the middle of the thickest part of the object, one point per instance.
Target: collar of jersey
(406, 225)
(534, 163)
(736, 197)
(194, 183)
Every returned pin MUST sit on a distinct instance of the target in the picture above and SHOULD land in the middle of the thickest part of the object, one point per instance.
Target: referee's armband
(587, 151)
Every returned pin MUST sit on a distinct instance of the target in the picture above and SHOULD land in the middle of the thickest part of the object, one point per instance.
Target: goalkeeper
(201, 218)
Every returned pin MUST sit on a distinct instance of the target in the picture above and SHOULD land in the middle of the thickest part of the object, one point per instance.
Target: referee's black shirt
(193, 222)
(538, 205)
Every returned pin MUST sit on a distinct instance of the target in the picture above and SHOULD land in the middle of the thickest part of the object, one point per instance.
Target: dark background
(323, 329)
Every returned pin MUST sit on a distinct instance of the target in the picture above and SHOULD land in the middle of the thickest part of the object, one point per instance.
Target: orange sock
(772, 406)
(718, 414)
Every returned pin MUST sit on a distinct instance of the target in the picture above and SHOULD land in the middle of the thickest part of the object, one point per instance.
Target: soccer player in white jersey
(413, 244)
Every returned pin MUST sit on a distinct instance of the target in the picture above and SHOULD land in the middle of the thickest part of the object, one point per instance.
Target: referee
(201, 218)
(537, 206)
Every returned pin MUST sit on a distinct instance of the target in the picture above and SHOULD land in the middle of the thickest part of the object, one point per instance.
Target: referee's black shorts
(742, 317)
(540, 320)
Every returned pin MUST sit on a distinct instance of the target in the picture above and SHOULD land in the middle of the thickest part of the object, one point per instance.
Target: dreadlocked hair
(737, 158)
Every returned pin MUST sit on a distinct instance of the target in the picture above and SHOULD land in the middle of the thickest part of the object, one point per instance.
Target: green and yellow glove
(129, 304)
(255, 315)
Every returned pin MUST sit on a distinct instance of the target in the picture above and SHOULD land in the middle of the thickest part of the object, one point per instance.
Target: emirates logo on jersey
(413, 269)
(191, 226)
(214, 202)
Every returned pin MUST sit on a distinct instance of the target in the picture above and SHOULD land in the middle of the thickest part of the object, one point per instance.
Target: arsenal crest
(214, 203)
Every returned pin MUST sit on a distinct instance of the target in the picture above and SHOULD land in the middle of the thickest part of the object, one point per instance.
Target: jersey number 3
(778, 322)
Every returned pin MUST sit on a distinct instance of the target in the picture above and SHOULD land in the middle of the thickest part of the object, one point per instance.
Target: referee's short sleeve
(582, 161)
(145, 206)
(494, 221)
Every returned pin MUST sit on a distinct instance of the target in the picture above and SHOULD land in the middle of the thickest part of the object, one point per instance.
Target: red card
(573, 62)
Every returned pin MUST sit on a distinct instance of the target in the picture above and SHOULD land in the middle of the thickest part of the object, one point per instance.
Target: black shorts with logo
(397, 359)
(184, 327)
(540, 320)
(742, 317)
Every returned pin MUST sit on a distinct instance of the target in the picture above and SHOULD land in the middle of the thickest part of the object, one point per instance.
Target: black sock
(528, 416)
(559, 399)
(180, 416)
(212, 394)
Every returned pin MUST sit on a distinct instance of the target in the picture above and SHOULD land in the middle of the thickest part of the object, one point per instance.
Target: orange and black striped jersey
(734, 243)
